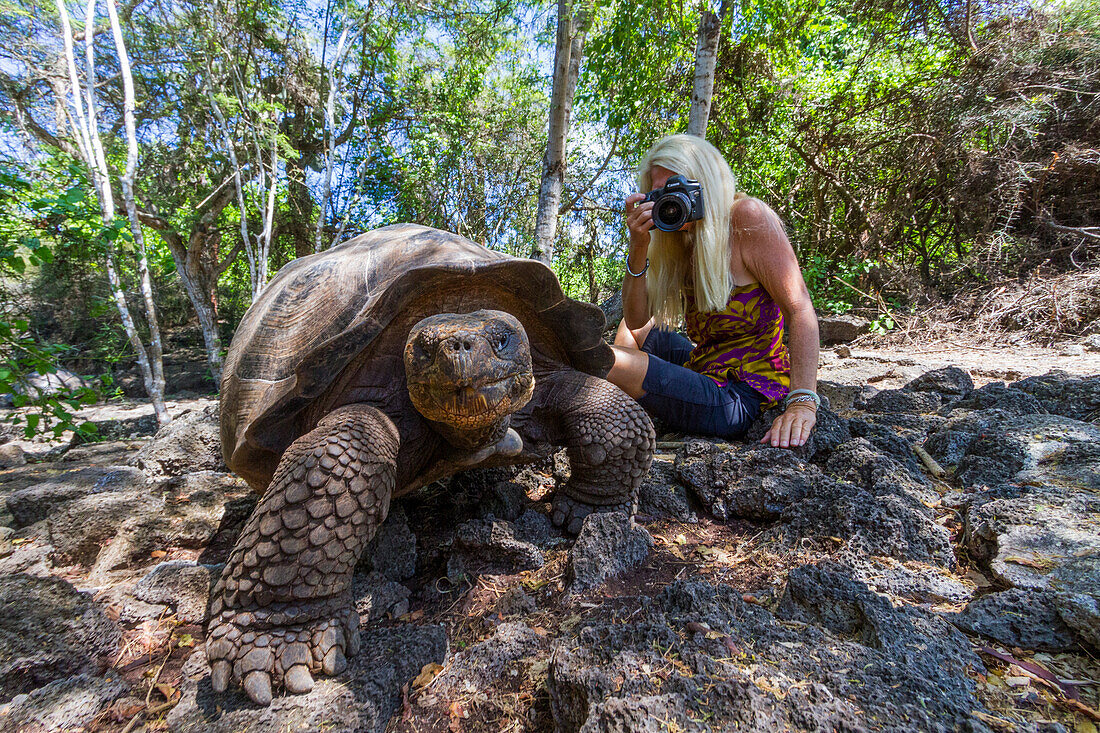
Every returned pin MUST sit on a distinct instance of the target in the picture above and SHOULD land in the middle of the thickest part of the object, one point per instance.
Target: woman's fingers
(791, 429)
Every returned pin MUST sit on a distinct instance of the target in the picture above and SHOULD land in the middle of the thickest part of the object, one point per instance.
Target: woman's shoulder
(749, 212)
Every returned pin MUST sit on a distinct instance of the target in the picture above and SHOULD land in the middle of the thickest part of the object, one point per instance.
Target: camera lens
(671, 212)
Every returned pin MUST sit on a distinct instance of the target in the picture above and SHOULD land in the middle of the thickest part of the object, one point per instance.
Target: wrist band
(802, 395)
(636, 274)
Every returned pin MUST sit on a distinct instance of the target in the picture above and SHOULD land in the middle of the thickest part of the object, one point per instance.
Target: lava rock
(844, 396)
(915, 582)
(191, 442)
(1081, 612)
(1064, 394)
(64, 705)
(841, 329)
(936, 657)
(772, 484)
(504, 500)
(515, 602)
(473, 669)
(860, 463)
(1016, 617)
(662, 496)
(742, 668)
(949, 381)
(80, 529)
(609, 544)
(491, 546)
(1037, 538)
(362, 698)
(376, 596)
(12, 455)
(48, 631)
(392, 552)
(202, 511)
(183, 584)
(38, 501)
(754, 482)
(1033, 449)
(904, 401)
(996, 396)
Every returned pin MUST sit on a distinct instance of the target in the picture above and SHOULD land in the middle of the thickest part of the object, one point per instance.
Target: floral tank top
(743, 342)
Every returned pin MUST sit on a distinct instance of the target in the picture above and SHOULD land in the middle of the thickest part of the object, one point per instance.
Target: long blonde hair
(709, 240)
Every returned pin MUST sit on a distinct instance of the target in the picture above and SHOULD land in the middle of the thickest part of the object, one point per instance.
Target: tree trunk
(155, 385)
(91, 148)
(573, 24)
(706, 58)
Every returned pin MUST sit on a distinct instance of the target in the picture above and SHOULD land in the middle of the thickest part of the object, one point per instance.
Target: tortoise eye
(502, 340)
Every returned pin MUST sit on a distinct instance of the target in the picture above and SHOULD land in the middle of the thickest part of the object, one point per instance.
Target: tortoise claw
(220, 673)
(258, 686)
(298, 679)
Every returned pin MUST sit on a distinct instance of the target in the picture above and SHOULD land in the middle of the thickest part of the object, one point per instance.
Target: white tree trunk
(330, 125)
(155, 385)
(92, 149)
(706, 58)
(573, 23)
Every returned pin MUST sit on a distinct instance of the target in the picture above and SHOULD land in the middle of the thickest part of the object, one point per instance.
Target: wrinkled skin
(281, 612)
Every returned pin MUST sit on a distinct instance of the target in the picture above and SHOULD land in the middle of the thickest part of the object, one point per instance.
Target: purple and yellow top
(743, 341)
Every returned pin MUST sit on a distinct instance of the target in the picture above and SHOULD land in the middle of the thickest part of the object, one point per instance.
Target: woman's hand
(639, 220)
(792, 428)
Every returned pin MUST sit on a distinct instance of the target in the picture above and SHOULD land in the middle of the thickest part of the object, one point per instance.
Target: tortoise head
(469, 371)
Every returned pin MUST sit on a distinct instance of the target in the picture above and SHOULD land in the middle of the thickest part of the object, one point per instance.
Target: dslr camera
(680, 201)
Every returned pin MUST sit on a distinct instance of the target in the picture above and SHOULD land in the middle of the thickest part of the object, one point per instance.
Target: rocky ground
(929, 561)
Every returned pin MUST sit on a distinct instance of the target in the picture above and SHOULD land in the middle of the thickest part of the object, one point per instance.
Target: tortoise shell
(322, 311)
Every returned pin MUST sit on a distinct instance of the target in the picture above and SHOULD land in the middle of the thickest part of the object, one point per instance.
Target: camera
(680, 201)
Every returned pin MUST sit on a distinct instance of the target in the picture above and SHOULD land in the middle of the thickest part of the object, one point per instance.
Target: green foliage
(22, 357)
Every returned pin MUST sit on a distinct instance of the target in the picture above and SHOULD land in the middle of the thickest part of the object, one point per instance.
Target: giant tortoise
(365, 372)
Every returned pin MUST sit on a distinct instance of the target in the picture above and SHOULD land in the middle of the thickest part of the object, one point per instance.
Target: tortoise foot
(569, 513)
(284, 647)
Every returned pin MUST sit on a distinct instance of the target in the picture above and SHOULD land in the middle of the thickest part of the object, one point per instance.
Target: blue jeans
(689, 402)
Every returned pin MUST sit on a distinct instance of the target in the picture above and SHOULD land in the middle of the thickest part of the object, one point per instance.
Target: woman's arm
(639, 219)
(769, 257)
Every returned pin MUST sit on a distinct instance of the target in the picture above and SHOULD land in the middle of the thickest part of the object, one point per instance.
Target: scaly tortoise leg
(609, 439)
(282, 609)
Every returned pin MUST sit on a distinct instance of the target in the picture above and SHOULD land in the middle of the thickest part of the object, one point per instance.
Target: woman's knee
(629, 370)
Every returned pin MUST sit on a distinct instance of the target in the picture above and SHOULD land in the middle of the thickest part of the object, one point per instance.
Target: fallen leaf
(697, 628)
(427, 673)
(681, 539)
(185, 640)
(456, 713)
(158, 554)
(1042, 563)
(978, 579)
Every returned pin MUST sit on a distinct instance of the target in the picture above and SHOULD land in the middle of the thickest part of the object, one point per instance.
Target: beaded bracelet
(637, 274)
(802, 395)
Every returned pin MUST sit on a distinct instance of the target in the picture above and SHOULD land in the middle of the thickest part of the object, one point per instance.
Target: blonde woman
(732, 278)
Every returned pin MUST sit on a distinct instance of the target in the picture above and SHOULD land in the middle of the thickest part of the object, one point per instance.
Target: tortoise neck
(472, 440)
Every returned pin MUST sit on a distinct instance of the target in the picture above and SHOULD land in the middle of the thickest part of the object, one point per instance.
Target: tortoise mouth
(470, 406)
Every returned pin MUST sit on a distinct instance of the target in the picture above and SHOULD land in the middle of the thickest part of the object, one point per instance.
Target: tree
(706, 57)
(573, 24)
(92, 153)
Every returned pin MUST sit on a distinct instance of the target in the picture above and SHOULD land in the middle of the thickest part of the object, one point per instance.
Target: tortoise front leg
(282, 609)
(609, 439)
